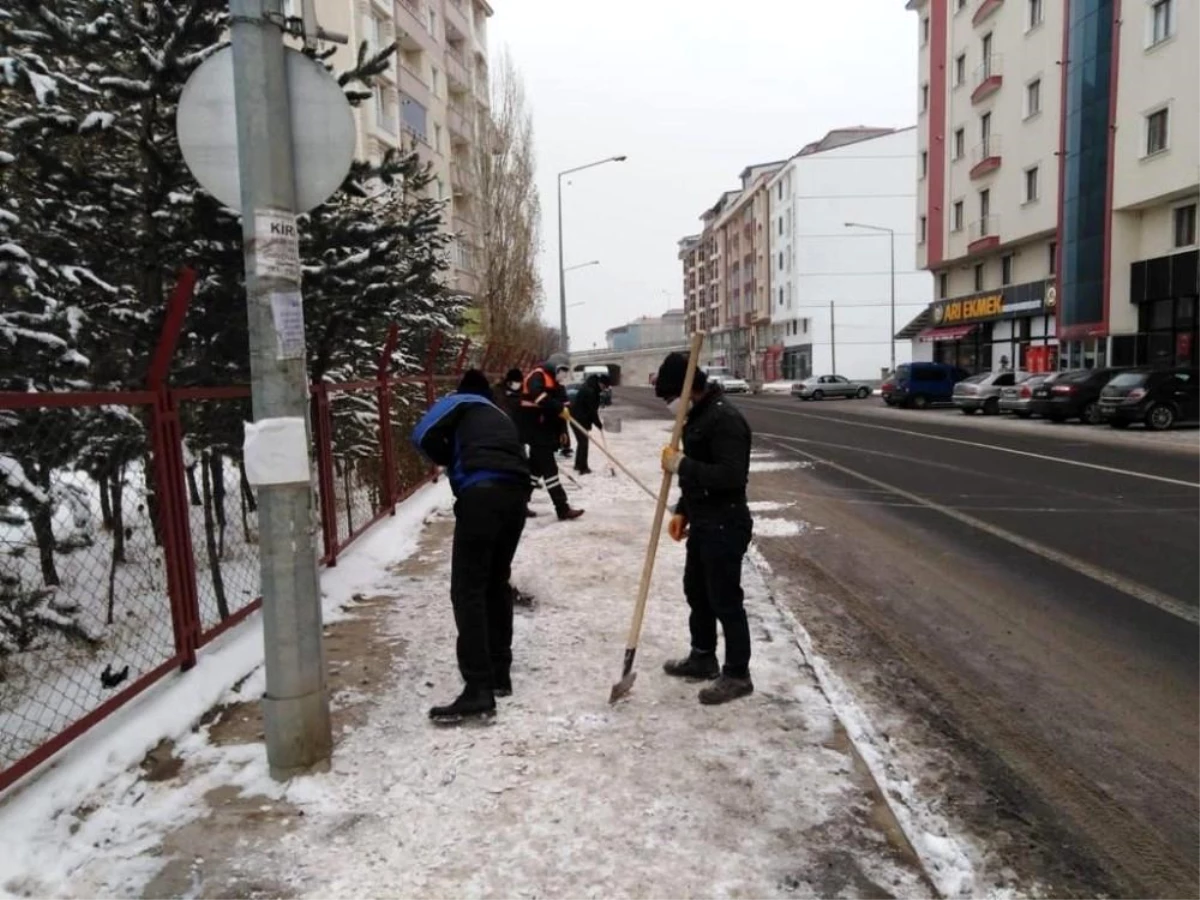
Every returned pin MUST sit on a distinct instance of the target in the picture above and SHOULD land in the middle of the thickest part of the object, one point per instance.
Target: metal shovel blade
(622, 687)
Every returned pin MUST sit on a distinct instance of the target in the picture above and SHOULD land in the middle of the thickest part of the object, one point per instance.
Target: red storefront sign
(1041, 359)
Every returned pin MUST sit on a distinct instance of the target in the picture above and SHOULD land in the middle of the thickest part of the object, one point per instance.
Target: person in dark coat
(543, 401)
(506, 393)
(585, 409)
(488, 470)
(713, 516)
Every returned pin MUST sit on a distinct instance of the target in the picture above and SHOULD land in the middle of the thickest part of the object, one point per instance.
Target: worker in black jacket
(585, 409)
(488, 471)
(712, 514)
(543, 402)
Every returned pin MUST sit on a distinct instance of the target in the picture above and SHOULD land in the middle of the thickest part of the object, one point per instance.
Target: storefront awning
(954, 333)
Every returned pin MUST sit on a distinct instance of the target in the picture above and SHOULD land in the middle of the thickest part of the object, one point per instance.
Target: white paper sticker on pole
(276, 451)
(287, 311)
(276, 245)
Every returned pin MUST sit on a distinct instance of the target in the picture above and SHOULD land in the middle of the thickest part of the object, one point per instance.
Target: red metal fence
(128, 533)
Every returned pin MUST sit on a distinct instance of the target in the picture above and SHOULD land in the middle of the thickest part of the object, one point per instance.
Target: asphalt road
(1043, 590)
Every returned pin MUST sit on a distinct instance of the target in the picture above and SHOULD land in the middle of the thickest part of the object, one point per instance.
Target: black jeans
(712, 583)
(583, 442)
(489, 519)
(543, 465)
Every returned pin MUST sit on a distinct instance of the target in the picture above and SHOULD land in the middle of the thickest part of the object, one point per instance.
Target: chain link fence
(129, 533)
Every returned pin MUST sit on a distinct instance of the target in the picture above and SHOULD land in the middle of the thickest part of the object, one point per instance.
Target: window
(1031, 184)
(960, 5)
(383, 117)
(979, 277)
(943, 285)
(924, 97)
(960, 70)
(925, 31)
(1157, 132)
(1033, 98)
(985, 130)
(1185, 225)
(924, 163)
(923, 229)
(960, 143)
(781, 190)
(781, 296)
(1162, 21)
(1035, 13)
(1006, 269)
(433, 23)
(985, 207)
(781, 262)
(437, 138)
(433, 80)
(986, 49)
(1053, 261)
(958, 215)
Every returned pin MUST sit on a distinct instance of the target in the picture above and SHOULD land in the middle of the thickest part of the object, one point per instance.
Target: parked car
(919, 384)
(821, 387)
(1073, 394)
(982, 392)
(1016, 399)
(731, 384)
(1158, 398)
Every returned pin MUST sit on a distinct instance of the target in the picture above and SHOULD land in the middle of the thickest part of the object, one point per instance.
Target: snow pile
(777, 387)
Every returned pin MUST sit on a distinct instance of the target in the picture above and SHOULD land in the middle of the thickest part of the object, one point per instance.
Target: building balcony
(989, 76)
(482, 93)
(458, 119)
(983, 234)
(986, 157)
(458, 77)
(458, 19)
(984, 8)
(461, 180)
(413, 85)
(412, 32)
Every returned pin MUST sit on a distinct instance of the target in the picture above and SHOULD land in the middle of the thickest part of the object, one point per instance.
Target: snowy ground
(563, 795)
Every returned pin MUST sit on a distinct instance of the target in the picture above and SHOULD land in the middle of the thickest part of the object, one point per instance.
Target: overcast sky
(692, 91)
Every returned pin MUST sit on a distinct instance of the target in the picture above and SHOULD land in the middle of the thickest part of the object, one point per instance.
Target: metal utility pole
(562, 283)
(832, 341)
(296, 704)
(891, 233)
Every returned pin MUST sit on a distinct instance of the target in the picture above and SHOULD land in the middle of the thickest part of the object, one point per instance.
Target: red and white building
(1058, 179)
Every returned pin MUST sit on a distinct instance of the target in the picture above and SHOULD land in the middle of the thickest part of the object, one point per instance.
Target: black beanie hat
(669, 383)
(474, 382)
(514, 374)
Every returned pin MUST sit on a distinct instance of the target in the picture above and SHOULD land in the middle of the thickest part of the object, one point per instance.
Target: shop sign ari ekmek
(1015, 301)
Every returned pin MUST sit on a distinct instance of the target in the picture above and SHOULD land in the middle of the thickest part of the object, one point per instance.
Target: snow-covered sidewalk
(562, 796)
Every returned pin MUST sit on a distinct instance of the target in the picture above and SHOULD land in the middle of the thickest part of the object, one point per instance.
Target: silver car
(982, 392)
(1017, 398)
(822, 387)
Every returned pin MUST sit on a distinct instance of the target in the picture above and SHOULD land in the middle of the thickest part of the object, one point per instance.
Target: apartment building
(1057, 201)
(430, 99)
(862, 176)
(727, 275)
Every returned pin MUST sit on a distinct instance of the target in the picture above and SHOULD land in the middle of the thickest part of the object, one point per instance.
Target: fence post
(322, 425)
(462, 358)
(169, 477)
(435, 344)
(388, 473)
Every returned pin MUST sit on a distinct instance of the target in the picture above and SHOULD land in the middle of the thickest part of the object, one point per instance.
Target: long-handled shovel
(603, 448)
(623, 687)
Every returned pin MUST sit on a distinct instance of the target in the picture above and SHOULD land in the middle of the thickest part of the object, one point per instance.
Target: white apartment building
(430, 98)
(852, 175)
(1057, 201)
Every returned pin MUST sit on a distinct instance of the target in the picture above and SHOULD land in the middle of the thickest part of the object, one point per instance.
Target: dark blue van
(919, 384)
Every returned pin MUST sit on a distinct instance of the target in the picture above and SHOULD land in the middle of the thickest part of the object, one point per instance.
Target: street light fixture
(594, 262)
(562, 287)
(891, 233)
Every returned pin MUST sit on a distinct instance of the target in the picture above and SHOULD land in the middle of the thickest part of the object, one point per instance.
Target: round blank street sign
(323, 131)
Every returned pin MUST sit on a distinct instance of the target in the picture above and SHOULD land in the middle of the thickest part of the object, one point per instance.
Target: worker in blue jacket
(488, 470)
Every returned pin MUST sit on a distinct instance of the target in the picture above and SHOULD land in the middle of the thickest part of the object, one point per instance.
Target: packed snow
(564, 795)
(765, 526)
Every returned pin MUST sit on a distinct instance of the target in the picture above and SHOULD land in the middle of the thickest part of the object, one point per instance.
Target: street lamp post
(891, 233)
(562, 286)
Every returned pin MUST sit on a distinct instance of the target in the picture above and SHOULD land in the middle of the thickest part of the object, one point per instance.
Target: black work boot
(502, 684)
(520, 598)
(567, 514)
(725, 689)
(472, 703)
(694, 667)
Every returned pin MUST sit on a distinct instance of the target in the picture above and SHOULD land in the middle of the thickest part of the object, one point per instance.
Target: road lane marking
(1130, 588)
(937, 437)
